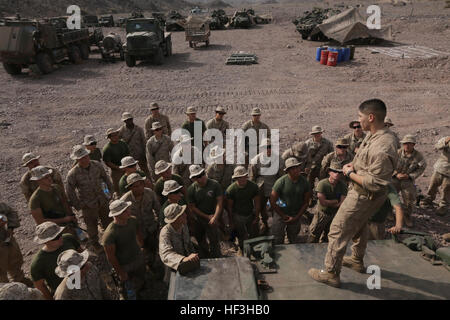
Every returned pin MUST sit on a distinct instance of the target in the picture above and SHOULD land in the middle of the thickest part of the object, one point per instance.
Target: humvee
(146, 39)
(26, 42)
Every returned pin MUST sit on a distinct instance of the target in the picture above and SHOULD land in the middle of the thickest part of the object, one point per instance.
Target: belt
(360, 190)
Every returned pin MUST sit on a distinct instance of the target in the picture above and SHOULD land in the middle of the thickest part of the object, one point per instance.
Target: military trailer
(197, 30)
(107, 21)
(25, 43)
(146, 40)
(111, 46)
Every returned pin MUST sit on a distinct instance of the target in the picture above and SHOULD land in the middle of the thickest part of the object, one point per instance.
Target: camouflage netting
(306, 23)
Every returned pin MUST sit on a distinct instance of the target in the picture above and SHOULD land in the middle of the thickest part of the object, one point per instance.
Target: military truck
(146, 39)
(25, 43)
(91, 21)
(175, 21)
(218, 20)
(241, 19)
(107, 21)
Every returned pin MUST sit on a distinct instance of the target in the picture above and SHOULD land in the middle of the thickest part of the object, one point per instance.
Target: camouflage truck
(218, 20)
(91, 21)
(111, 45)
(146, 39)
(107, 21)
(310, 19)
(241, 19)
(175, 22)
(27, 43)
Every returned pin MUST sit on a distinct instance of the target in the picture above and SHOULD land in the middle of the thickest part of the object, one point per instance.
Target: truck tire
(84, 50)
(207, 42)
(130, 60)
(75, 55)
(191, 44)
(122, 55)
(12, 69)
(159, 57)
(44, 62)
(168, 52)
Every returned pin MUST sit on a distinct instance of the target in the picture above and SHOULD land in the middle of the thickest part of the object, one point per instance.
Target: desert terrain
(50, 114)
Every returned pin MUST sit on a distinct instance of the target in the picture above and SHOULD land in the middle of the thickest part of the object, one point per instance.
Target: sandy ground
(50, 114)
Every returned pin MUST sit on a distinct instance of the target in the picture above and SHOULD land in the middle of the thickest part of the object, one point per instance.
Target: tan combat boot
(354, 264)
(326, 277)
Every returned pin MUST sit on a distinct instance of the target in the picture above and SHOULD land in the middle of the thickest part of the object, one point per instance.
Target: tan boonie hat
(409, 138)
(28, 157)
(117, 207)
(388, 121)
(40, 172)
(216, 152)
(291, 162)
(111, 131)
(126, 116)
(352, 123)
(195, 170)
(70, 258)
(133, 178)
(161, 166)
(127, 161)
(156, 125)
(88, 140)
(220, 109)
(170, 186)
(316, 129)
(239, 172)
(191, 110)
(47, 231)
(256, 112)
(441, 143)
(79, 151)
(342, 142)
(173, 212)
(154, 106)
(19, 291)
(335, 166)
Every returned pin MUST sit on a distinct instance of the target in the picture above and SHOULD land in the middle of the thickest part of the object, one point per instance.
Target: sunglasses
(199, 176)
(57, 237)
(341, 147)
(356, 127)
(159, 129)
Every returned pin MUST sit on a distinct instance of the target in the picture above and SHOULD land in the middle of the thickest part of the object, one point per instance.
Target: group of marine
(163, 217)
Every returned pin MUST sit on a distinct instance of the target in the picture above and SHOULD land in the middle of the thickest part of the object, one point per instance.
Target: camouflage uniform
(163, 120)
(221, 173)
(85, 193)
(413, 165)
(354, 141)
(158, 150)
(174, 246)
(441, 176)
(183, 169)
(135, 139)
(316, 153)
(11, 259)
(28, 186)
(375, 162)
(222, 126)
(257, 127)
(298, 150)
(92, 287)
(146, 211)
(326, 161)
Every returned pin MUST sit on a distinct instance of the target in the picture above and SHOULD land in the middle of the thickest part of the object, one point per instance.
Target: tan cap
(88, 140)
(133, 178)
(126, 116)
(291, 162)
(335, 166)
(173, 212)
(316, 129)
(162, 166)
(388, 121)
(256, 112)
(40, 172)
(127, 161)
(154, 106)
(239, 172)
(47, 231)
(216, 152)
(170, 186)
(111, 131)
(117, 207)
(79, 151)
(28, 157)
(352, 123)
(156, 125)
(191, 110)
(70, 258)
(409, 138)
(195, 170)
(220, 109)
(342, 142)
(19, 291)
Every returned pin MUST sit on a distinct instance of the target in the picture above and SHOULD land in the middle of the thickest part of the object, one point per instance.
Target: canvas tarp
(350, 25)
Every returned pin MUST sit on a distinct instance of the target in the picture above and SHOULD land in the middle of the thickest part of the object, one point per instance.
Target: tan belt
(364, 192)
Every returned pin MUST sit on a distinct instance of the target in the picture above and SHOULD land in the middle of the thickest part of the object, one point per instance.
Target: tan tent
(350, 25)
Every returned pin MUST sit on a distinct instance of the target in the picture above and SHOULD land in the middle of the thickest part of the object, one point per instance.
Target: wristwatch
(349, 173)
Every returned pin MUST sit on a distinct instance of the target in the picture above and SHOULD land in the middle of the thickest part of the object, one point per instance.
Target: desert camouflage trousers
(350, 223)
(11, 261)
(376, 230)
(91, 217)
(438, 180)
(319, 227)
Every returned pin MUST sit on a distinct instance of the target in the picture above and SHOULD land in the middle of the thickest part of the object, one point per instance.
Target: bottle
(268, 204)
(131, 294)
(106, 190)
(281, 203)
(80, 234)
